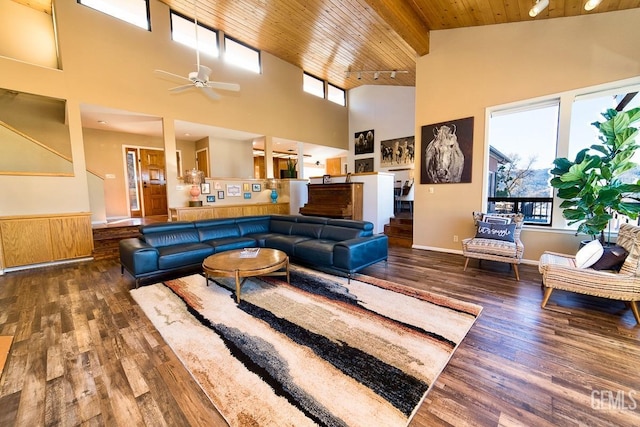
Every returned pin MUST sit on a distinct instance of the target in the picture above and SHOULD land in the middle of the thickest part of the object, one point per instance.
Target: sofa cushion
(365, 227)
(612, 258)
(218, 232)
(280, 227)
(253, 225)
(316, 251)
(332, 232)
(229, 243)
(489, 230)
(491, 246)
(171, 238)
(589, 254)
(183, 255)
(284, 243)
(308, 230)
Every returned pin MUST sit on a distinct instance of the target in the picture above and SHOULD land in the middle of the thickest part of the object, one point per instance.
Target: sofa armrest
(138, 257)
(354, 254)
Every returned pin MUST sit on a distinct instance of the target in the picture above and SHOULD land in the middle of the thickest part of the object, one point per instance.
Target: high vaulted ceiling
(326, 38)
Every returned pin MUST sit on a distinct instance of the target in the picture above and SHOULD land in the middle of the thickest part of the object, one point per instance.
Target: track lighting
(393, 74)
(538, 7)
(359, 75)
(591, 4)
(376, 75)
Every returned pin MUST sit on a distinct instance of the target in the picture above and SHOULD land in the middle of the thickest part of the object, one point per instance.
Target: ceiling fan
(199, 78)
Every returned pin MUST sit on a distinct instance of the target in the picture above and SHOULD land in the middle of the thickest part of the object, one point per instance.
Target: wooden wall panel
(71, 237)
(26, 241)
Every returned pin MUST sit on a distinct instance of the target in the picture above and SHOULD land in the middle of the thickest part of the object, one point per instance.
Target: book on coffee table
(249, 252)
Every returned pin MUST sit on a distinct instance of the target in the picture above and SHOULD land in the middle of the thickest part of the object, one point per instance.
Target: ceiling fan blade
(203, 73)
(163, 73)
(224, 86)
(180, 88)
(210, 93)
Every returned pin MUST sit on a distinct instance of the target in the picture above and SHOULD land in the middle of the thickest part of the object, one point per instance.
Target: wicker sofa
(337, 244)
(559, 271)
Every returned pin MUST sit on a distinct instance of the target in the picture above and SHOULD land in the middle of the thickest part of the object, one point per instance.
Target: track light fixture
(591, 4)
(376, 73)
(538, 7)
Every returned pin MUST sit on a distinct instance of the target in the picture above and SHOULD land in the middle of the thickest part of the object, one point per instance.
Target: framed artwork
(363, 142)
(211, 199)
(447, 150)
(364, 165)
(397, 152)
(220, 194)
(205, 188)
(247, 195)
(256, 187)
(234, 190)
(246, 187)
(326, 179)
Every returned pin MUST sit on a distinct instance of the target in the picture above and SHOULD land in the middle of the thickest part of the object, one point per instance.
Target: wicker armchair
(495, 250)
(559, 272)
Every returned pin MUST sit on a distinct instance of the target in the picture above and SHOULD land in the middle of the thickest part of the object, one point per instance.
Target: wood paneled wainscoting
(36, 239)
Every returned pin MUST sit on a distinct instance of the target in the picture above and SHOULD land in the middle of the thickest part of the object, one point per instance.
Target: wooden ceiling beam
(403, 19)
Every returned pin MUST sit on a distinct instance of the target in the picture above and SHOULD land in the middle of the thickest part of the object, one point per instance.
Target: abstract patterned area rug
(320, 351)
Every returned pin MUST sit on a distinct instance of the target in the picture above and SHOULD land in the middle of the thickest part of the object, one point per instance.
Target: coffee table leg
(238, 286)
(287, 268)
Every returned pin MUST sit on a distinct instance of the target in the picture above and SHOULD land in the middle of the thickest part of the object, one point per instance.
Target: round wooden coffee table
(231, 264)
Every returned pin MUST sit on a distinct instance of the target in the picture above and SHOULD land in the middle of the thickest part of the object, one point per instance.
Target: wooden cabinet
(44, 238)
(229, 211)
(335, 200)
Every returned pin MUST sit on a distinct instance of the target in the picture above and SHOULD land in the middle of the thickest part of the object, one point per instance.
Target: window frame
(148, 14)
(203, 26)
(344, 94)
(245, 45)
(306, 75)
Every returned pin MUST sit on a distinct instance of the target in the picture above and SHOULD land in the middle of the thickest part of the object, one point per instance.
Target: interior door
(202, 161)
(154, 184)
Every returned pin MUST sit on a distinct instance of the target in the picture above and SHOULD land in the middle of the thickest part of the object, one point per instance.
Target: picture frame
(363, 165)
(247, 195)
(246, 186)
(326, 179)
(363, 142)
(205, 188)
(347, 179)
(234, 190)
(256, 188)
(457, 137)
(220, 194)
(211, 199)
(397, 152)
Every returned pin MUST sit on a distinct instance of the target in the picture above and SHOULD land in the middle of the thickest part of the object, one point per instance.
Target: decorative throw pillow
(487, 230)
(494, 219)
(589, 254)
(612, 258)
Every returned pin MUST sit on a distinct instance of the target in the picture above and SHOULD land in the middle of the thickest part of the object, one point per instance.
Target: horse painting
(444, 160)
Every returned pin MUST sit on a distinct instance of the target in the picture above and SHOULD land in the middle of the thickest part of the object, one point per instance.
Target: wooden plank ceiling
(326, 38)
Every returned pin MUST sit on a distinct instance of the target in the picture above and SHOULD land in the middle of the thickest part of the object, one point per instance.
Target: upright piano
(341, 200)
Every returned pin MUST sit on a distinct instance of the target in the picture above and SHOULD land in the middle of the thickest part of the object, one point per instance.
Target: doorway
(202, 161)
(146, 182)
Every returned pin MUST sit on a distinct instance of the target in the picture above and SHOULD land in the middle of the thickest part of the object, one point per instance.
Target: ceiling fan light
(538, 7)
(591, 4)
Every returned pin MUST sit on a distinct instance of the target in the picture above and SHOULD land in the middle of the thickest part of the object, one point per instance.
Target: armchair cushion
(589, 254)
(612, 258)
(488, 230)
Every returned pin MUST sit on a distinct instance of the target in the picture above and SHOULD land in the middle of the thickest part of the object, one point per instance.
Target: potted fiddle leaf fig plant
(590, 186)
(291, 168)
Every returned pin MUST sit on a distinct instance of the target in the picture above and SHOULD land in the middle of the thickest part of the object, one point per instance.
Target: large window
(525, 138)
(183, 30)
(241, 55)
(135, 12)
(523, 145)
(313, 85)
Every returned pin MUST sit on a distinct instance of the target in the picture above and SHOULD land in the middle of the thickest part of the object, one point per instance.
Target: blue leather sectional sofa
(338, 244)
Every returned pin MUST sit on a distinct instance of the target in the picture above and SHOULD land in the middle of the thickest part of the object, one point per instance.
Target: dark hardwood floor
(85, 354)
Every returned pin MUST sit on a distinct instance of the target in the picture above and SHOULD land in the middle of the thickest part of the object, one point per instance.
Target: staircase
(106, 240)
(400, 232)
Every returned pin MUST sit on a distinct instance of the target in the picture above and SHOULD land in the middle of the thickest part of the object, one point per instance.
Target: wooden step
(400, 232)
(106, 240)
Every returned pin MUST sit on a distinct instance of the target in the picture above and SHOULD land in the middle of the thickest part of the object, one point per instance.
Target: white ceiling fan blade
(224, 86)
(180, 88)
(210, 93)
(203, 73)
(165, 74)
